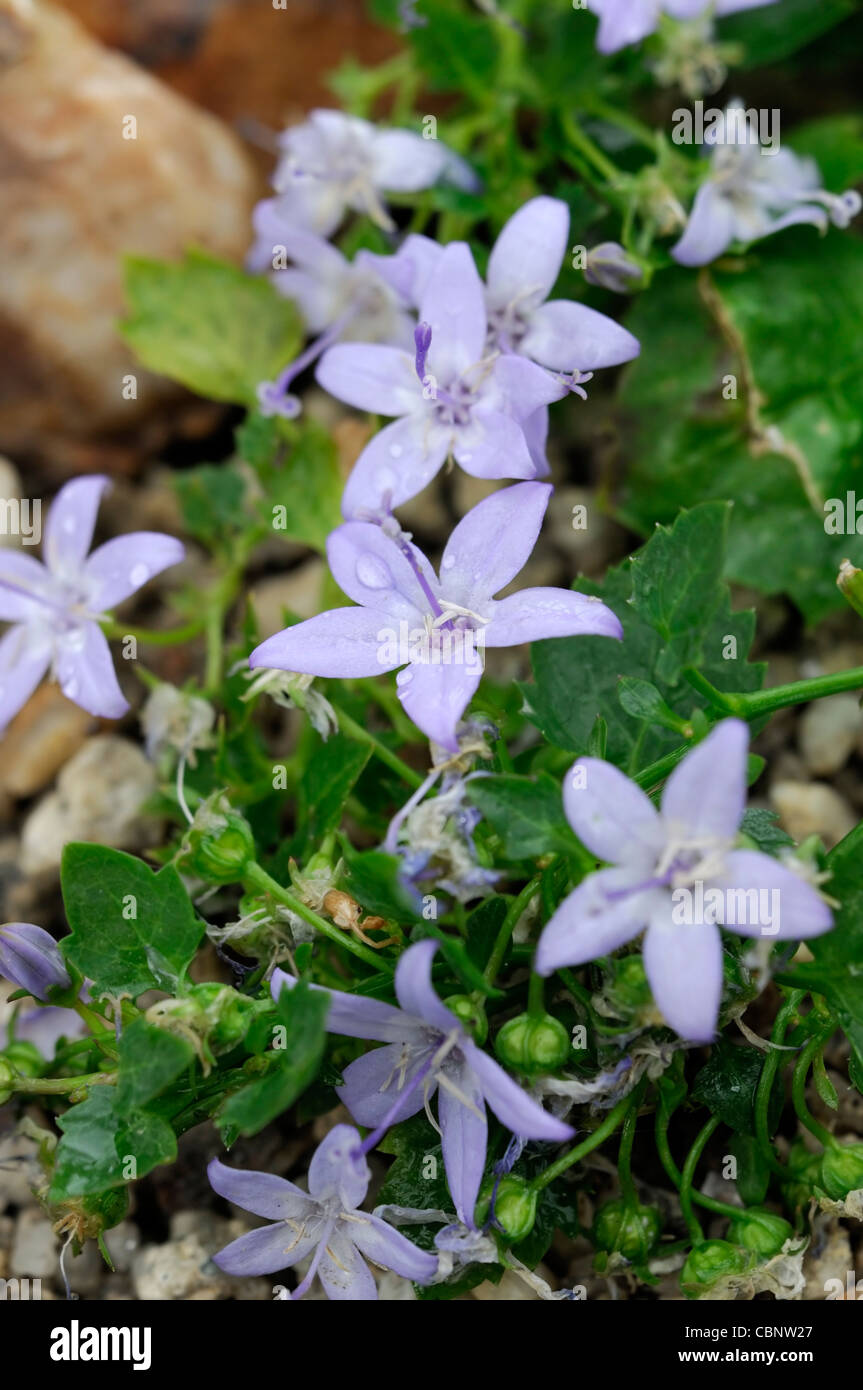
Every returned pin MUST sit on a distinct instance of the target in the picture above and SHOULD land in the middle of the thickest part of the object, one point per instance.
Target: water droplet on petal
(138, 575)
(405, 677)
(466, 456)
(396, 451)
(385, 479)
(70, 689)
(373, 572)
(69, 525)
(447, 562)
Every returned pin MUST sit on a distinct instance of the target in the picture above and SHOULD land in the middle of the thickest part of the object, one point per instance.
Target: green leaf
(643, 701)
(727, 1085)
(209, 325)
(763, 827)
(373, 877)
(211, 499)
(526, 814)
(131, 929)
(328, 780)
(150, 1059)
(302, 1013)
(298, 468)
(836, 145)
(103, 1145)
(771, 34)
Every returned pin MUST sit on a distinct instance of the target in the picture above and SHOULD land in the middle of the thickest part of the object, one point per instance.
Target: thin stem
(507, 927)
(259, 878)
(768, 1075)
(593, 1141)
(798, 1088)
(666, 1158)
(61, 1085)
(624, 1156)
(536, 996)
(693, 1225)
(380, 750)
(154, 637)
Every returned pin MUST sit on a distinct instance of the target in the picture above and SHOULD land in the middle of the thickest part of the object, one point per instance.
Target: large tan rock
(79, 194)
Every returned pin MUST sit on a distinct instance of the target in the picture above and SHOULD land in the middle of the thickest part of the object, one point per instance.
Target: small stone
(828, 1257)
(183, 1269)
(812, 808)
(98, 798)
(828, 733)
(10, 491)
(40, 740)
(19, 1171)
(297, 592)
(35, 1251)
(86, 1271)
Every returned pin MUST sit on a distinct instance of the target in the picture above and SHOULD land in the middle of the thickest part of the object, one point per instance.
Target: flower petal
(520, 387)
(436, 696)
(464, 1135)
(338, 1169)
(371, 376)
(23, 663)
(535, 614)
(372, 1084)
(527, 256)
(602, 913)
(684, 967)
(793, 906)
(513, 1106)
(70, 524)
(371, 569)
(85, 672)
(705, 796)
(340, 642)
(403, 162)
(453, 306)
(493, 445)
(408, 271)
(261, 1193)
(492, 543)
(356, 1016)
(22, 579)
(120, 566)
(415, 991)
(264, 1251)
(710, 229)
(571, 337)
(610, 814)
(396, 464)
(387, 1247)
(343, 1271)
(623, 22)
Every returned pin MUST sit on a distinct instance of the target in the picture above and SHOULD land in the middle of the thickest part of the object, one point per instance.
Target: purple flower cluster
(624, 22)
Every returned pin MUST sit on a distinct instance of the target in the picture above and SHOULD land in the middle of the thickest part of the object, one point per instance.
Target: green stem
(667, 1160)
(257, 877)
(693, 1225)
(591, 151)
(760, 702)
(380, 750)
(154, 637)
(798, 1088)
(768, 1075)
(624, 1156)
(61, 1085)
(507, 927)
(536, 996)
(593, 1141)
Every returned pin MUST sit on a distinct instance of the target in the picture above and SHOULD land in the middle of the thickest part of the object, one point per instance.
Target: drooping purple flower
(333, 162)
(559, 334)
(428, 1050)
(31, 959)
(451, 396)
(55, 606)
(435, 627)
(340, 300)
(609, 266)
(323, 1222)
(44, 1027)
(675, 871)
(623, 22)
(752, 192)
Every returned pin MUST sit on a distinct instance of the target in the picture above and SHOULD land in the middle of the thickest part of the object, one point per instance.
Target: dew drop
(70, 689)
(404, 677)
(373, 572)
(447, 562)
(396, 451)
(138, 575)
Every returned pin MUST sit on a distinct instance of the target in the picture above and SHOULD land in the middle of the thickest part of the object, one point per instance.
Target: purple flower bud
(30, 959)
(609, 266)
(422, 338)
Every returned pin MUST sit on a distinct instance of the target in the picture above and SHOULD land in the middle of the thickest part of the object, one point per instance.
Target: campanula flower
(31, 959)
(609, 266)
(750, 194)
(44, 1027)
(427, 1050)
(55, 605)
(623, 22)
(437, 628)
(323, 1222)
(340, 300)
(332, 163)
(524, 264)
(451, 396)
(675, 871)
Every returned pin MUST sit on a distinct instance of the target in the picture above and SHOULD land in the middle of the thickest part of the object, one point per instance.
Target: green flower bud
(630, 1231)
(228, 1014)
(7, 1075)
(533, 1044)
(26, 1059)
(219, 844)
(760, 1231)
(514, 1206)
(629, 985)
(804, 1170)
(470, 1014)
(841, 1170)
(709, 1262)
